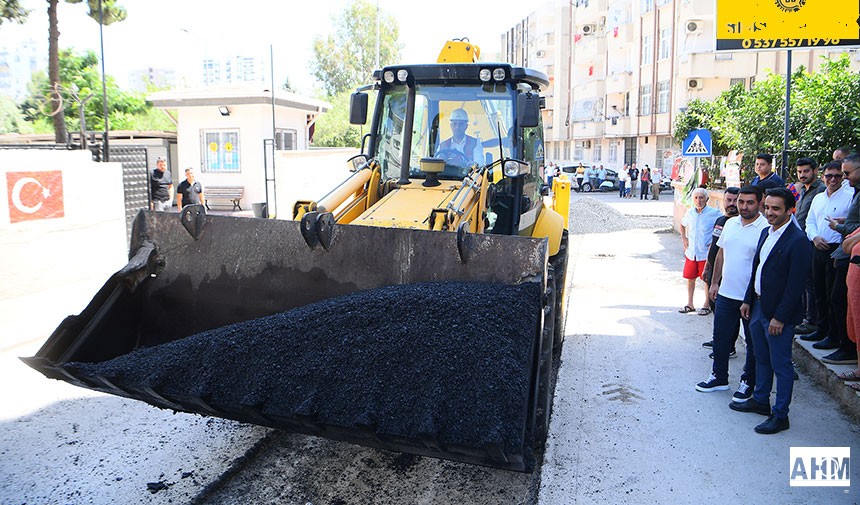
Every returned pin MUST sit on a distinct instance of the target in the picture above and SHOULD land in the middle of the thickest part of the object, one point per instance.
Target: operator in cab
(461, 149)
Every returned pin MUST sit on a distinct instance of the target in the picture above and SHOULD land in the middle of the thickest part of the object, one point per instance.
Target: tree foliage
(11, 10)
(346, 59)
(80, 78)
(825, 114)
(332, 129)
(110, 12)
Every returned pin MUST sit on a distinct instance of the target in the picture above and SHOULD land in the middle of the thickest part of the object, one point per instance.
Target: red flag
(615, 32)
(577, 38)
(35, 195)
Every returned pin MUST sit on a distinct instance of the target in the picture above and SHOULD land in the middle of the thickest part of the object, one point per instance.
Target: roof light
(499, 74)
(485, 74)
(402, 74)
(388, 76)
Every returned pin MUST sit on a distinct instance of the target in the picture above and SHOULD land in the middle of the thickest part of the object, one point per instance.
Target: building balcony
(588, 129)
(588, 87)
(624, 127)
(619, 82)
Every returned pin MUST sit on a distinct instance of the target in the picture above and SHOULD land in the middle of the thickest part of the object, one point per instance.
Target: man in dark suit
(773, 304)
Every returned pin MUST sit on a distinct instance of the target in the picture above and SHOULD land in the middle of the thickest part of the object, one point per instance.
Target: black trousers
(823, 275)
(839, 306)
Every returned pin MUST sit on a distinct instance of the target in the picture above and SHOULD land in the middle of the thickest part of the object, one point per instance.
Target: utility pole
(105, 154)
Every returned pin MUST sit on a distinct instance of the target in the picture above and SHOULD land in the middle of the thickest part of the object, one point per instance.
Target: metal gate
(135, 180)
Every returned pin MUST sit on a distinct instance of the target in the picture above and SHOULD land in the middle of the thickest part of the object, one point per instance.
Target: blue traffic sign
(697, 143)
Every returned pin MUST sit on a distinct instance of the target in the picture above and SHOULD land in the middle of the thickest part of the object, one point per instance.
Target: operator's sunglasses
(832, 176)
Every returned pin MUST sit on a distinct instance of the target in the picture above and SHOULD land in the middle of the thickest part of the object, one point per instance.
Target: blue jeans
(621, 188)
(727, 322)
(773, 357)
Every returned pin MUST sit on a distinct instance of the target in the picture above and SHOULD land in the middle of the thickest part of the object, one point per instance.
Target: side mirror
(357, 162)
(358, 108)
(528, 110)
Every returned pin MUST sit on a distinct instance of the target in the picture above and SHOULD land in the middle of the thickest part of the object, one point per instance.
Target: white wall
(254, 123)
(308, 175)
(52, 267)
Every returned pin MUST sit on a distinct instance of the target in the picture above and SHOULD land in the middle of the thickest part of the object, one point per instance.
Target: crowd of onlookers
(782, 261)
(630, 183)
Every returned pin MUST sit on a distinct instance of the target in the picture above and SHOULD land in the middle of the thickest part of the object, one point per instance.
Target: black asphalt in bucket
(452, 359)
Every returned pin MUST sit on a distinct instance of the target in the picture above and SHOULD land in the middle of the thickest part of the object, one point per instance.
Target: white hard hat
(459, 115)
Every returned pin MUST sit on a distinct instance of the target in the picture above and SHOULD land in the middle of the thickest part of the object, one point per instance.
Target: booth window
(220, 149)
(286, 140)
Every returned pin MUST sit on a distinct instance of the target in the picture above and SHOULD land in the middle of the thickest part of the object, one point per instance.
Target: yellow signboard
(786, 24)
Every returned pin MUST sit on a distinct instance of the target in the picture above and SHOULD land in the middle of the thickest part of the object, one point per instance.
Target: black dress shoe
(826, 343)
(751, 406)
(815, 336)
(772, 425)
(841, 357)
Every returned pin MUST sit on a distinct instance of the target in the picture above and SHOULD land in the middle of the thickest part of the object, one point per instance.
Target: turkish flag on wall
(35, 195)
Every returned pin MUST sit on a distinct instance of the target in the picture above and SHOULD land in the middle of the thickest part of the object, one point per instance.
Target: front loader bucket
(219, 287)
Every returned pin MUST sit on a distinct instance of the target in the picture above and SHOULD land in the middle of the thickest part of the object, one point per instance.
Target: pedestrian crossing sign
(697, 143)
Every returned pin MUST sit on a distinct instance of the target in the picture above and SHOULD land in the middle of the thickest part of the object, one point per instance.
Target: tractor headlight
(515, 168)
(388, 76)
(485, 75)
(499, 74)
(402, 74)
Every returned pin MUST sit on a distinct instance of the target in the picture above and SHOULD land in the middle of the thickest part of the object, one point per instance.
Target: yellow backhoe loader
(414, 307)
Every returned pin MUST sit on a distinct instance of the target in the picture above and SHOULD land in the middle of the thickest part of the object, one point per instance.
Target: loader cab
(469, 115)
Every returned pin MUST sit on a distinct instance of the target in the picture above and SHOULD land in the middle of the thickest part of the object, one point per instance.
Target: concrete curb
(809, 361)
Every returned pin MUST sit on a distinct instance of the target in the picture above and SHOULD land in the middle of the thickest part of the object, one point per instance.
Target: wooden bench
(231, 193)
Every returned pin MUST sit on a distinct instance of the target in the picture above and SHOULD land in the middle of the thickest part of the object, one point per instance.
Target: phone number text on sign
(787, 43)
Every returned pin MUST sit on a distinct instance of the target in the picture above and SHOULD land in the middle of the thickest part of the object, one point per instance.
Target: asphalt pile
(449, 359)
(590, 215)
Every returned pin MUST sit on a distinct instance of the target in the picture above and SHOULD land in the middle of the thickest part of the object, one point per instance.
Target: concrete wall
(308, 175)
(53, 264)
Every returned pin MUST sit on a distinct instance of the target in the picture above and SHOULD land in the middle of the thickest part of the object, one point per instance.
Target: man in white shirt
(732, 270)
(833, 202)
(697, 228)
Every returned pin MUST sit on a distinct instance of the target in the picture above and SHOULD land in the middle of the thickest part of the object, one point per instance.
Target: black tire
(559, 264)
(543, 402)
(586, 187)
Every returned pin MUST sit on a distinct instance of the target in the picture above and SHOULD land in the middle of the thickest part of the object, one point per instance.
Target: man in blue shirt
(697, 229)
(766, 177)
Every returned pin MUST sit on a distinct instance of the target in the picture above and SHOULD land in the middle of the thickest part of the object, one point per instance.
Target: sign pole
(784, 168)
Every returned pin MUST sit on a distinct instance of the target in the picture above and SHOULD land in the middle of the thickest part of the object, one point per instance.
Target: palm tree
(109, 12)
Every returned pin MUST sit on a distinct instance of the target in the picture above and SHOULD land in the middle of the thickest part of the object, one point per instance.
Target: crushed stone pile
(590, 215)
(450, 359)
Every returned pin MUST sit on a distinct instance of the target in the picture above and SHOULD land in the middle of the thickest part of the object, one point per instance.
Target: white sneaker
(712, 384)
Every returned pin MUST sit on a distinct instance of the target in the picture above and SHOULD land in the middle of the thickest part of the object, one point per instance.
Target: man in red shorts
(697, 228)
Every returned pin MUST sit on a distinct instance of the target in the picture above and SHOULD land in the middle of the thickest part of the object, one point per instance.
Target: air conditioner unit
(589, 29)
(694, 26)
(695, 83)
(540, 53)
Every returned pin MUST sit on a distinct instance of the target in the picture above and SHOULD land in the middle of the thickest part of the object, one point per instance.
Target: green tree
(108, 11)
(11, 10)
(332, 129)
(825, 114)
(11, 119)
(80, 78)
(347, 58)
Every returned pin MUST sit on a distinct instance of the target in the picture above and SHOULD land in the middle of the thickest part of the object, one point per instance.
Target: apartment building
(621, 71)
